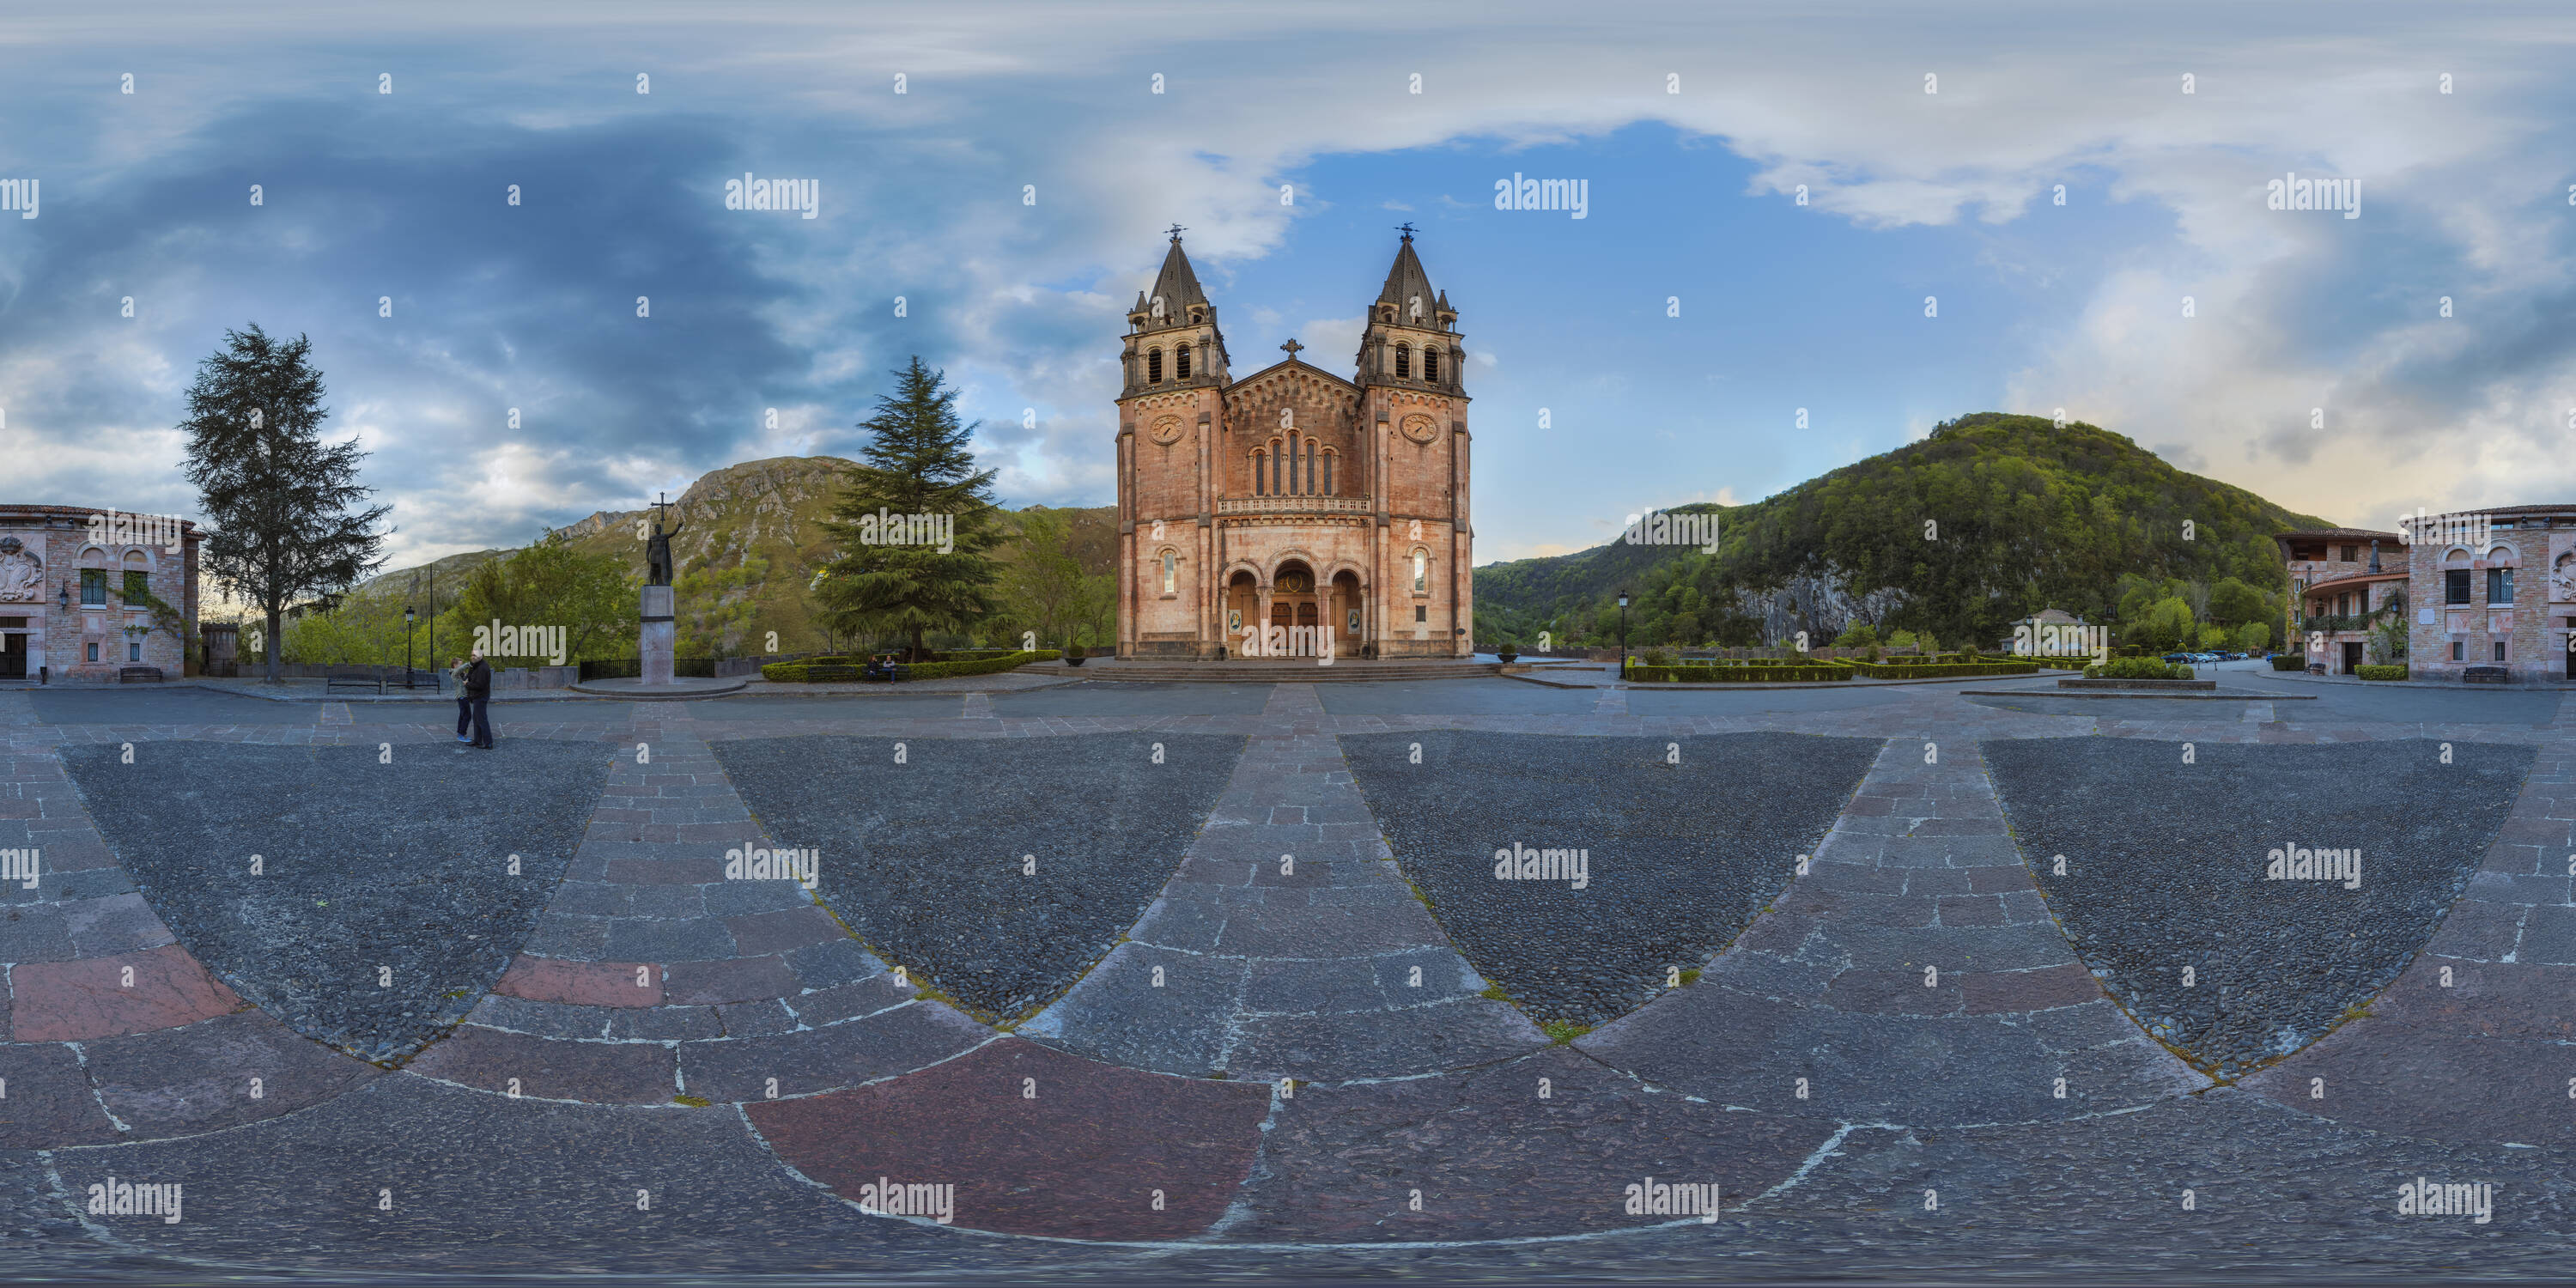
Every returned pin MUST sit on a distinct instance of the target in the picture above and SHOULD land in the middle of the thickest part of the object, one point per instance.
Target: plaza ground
(1179, 980)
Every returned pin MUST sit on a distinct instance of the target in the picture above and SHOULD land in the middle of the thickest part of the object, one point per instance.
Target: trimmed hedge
(1776, 673)
(2138, 668)
(2290, 662)
(1940, 670)
(2397, 672)
(828, 670)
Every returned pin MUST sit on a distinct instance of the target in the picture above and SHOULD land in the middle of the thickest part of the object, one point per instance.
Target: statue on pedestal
(657, 551)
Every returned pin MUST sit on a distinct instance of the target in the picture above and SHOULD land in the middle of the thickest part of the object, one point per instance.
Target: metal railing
(1292, 505)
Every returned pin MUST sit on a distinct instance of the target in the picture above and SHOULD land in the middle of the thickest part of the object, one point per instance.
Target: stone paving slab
(1858, 990)
(1036, 1141)
(1323, 967)
(1949, 1086)
(389, 891)
(1544, 1144)
(2168, 895)
(997, 871)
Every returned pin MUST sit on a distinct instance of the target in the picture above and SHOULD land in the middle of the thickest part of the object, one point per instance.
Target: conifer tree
(286, 536)
(882, 579)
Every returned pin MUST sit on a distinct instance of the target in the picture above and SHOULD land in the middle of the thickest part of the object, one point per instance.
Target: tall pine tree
(916, 463)
(287, 536)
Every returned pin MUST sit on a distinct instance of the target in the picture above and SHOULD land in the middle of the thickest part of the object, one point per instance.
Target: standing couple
(473, 700)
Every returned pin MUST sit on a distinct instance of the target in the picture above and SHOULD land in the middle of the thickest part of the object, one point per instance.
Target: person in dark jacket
(478, 692)
(464, 705)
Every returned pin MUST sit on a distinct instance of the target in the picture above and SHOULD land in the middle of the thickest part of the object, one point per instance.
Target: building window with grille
(1328, 474)
(1421, 572)
(2458, 651)
(1181, 359)
(134, 651)
(1171, 573)
(93, 589)
(1403, 362)
(1260, 476)
(2499, 650)
(2499, 586)
(1310, 467)
(1153, 366)
(2455, 586)
(1430, 364)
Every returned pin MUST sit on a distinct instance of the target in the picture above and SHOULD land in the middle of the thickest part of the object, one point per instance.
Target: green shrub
(833, 670)
(1725, 673)
(1659, 657)
(2138, 668)
(2290, 662)
(2397, 672)
(1939, 670)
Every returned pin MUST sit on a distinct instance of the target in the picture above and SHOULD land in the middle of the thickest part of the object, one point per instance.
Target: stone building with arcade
(78, 588)
(1334, 508)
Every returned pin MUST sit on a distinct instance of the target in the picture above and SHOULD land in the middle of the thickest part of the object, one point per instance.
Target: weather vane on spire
(1406, 228)
(1177, 230)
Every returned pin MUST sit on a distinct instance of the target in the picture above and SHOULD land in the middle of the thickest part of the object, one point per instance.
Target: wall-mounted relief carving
(22, 573)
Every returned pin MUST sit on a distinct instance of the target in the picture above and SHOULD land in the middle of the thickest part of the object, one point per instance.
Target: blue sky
(1782, 306)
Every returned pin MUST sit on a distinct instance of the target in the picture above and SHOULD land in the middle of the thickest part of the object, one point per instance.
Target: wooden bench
(2486, 675)
(129, 674)
(375, 682)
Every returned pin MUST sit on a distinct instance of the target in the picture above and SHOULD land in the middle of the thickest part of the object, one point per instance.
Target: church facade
(1332, 509)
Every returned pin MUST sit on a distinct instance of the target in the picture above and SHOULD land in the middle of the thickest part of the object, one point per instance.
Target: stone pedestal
(659, 636)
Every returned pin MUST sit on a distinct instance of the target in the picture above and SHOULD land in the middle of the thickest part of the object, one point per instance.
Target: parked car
(2178, 657)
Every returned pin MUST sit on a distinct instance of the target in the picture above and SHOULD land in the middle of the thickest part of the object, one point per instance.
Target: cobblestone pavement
(1891, 1062)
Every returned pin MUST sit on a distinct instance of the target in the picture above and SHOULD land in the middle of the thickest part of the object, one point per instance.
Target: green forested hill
(1990, 518)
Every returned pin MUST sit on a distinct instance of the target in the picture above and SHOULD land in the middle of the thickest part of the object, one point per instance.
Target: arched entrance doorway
(1342, 607)
(1295, 610)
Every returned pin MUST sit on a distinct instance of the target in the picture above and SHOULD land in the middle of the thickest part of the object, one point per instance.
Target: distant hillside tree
(288, 534)
(916, 463)
(550, 583)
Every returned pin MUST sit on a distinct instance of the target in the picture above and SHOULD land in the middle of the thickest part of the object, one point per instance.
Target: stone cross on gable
(1292, 347)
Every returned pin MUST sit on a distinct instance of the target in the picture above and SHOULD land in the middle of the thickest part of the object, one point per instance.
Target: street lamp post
(1623, 636)
(407, 621)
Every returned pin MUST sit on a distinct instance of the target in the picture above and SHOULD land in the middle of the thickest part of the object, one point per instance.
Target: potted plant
(1509, 653)
(1073, 655)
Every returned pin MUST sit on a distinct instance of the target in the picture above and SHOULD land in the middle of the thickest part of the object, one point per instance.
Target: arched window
(1328, 474)
(1421, 571)
(1311, 489)
(1260, 477)
(1182, 355)
(1293, 480)
(1403, 362)
(1171, 573)
(1274, 469)
(1430, 364)
(1153, 366)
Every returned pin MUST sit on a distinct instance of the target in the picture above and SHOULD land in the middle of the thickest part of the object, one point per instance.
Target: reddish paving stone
(608, 1073)
(49, 1102)
(551, 979)
(1080, 1159)
(738, 979)
(2043, 989)
(180, 1081)
(76, 1001)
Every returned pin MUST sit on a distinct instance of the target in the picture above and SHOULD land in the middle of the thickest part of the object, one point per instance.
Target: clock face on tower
(1167, 430)
(1418, 428)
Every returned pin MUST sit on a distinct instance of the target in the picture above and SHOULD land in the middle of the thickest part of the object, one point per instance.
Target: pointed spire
(1407, 283)
(1176, 286)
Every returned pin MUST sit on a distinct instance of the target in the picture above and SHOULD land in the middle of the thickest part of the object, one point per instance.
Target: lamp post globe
(1623, 635)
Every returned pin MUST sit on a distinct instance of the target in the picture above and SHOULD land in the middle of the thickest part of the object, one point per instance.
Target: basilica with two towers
(1334, 509)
